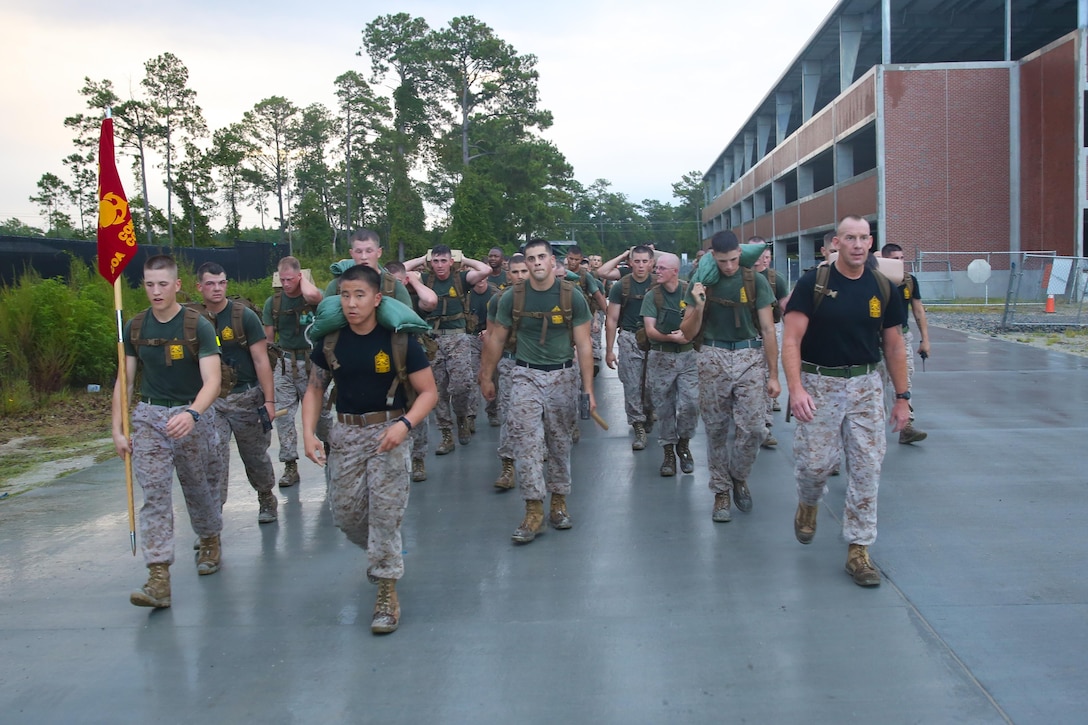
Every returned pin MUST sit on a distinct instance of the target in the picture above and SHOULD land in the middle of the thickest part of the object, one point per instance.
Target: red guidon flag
(116, 236)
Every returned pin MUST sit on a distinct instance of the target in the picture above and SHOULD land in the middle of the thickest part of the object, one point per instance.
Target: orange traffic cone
(1050, 303)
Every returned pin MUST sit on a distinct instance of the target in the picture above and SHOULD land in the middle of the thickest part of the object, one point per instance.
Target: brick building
(952, 126)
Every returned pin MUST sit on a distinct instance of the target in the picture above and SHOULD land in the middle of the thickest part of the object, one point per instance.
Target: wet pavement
(645, 611)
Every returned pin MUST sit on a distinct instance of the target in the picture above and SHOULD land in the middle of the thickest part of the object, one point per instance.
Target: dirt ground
(40, 446)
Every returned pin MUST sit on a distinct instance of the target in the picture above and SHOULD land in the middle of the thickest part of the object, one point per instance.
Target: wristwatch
(196, 415)
(903, 396)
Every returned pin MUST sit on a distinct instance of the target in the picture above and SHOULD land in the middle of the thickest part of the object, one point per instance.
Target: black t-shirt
(846, 328)
(908, 293)
(366, 369)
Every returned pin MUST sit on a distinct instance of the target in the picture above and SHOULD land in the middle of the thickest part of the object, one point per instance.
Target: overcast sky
(641, 91)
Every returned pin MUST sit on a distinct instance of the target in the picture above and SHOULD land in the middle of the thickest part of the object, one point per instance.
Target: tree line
(454, 154)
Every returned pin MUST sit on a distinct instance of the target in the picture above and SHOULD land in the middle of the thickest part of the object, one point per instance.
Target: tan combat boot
(859, 566)
(207, 561)
(419, 470)
(505, 480)
(290, 475)
(464, 435)
(446, 446)
(386, 608)
(268, 504)
(910, 434)
(742, 497)
(558, 516)
(683, 452)
(721, 513)
(156, 593)
(533, 523)
(640, 437)
(668, 466)
(804, 522)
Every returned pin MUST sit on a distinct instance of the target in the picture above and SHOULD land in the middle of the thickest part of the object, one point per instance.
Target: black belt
(164, 403)
(243, 387)
(545, 368)
(508, 355)
(842, 371)
(380, 416)
(632, 330)
(671, 347)
(734, 344)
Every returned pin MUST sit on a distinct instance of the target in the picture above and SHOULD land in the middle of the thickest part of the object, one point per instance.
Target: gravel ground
(1072, 340)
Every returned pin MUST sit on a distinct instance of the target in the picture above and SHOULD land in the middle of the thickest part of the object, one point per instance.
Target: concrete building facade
(954, 126)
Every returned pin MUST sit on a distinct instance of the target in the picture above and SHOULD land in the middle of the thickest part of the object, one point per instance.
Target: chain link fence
(952, 277)
(1046, 290)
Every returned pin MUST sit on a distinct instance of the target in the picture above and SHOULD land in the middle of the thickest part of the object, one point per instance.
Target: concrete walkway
(644, 612)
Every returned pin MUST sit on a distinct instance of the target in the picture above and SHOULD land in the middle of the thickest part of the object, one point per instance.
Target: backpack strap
(748, 299)
(400, 366)
(277, 298)
(566, 309)
(823, 274)
(328, 347)
(188, 333)
(429, 280)
(819, 291)
(238, 323)
(516, 309)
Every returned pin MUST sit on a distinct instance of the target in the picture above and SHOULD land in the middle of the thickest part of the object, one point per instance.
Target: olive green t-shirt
(234, 354)
(500, 280)
(180, 381)
(631, 311)
(449, 301)
(721, 319)
(556, 348)
(668, 318)
(295, 316)
(781, 289)
(400, 291)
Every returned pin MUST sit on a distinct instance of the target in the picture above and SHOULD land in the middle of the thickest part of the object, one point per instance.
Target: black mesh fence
(50, 257)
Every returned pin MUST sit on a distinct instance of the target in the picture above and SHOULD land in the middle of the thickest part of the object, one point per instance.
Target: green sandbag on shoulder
(392, 315)
(707, 271)
(338, 268)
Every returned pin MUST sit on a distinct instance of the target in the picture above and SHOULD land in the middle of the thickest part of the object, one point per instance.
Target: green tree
(400, 52)
(269, 128)
(15, 228)
(690, 192)
(228, 155)
(311, 136)
(83, 191)
(482, 77)
(196, 192)
(313, 228)
(473, 215)
(134, 126)
(52, 199)
(175, 112)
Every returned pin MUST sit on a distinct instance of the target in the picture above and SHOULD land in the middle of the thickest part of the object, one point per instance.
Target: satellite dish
(978, 271)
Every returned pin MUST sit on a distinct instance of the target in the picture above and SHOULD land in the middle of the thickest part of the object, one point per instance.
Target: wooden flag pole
(126, 426)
